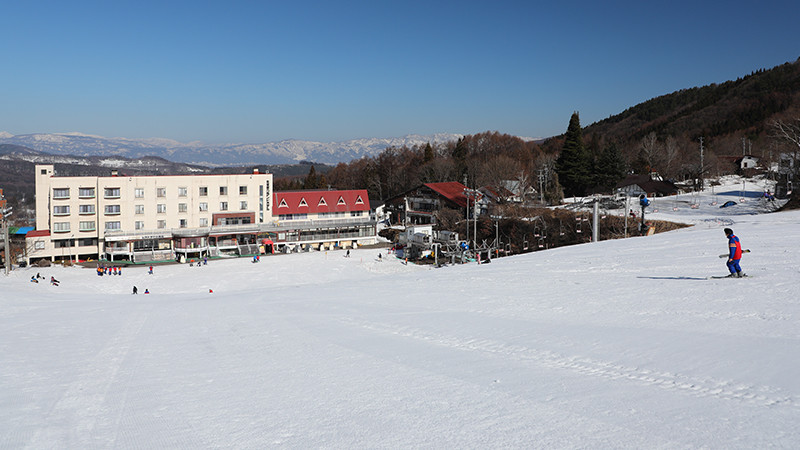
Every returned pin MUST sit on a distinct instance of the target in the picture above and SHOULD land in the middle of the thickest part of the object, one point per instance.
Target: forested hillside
(733, 118)
(663, 135)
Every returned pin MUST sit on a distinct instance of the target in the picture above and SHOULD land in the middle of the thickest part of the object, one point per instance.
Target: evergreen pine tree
(311, 181)
(574, 164)
(428, 153)
(460, 157)
(610, 167)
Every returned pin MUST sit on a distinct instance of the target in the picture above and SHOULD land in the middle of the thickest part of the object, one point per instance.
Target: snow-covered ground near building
(617, 344)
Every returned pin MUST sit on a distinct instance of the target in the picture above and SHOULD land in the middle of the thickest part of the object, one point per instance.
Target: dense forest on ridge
(662, 134)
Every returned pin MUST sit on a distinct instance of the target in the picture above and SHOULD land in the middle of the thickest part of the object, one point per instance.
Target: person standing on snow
(735, 248)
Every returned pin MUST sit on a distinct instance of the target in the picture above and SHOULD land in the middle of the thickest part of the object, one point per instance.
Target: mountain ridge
(288, 151)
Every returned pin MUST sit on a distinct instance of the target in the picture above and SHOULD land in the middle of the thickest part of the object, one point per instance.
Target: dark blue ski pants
(733, 266)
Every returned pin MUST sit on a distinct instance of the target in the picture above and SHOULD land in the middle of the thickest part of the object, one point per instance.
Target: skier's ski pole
(728, 254)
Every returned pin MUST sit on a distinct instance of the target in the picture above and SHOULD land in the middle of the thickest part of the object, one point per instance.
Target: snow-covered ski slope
(616, 344)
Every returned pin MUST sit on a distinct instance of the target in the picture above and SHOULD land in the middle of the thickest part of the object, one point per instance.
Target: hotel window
(161, 208)
(61, 193)
(138, 193)
(113, 226)
(86, 192)
(162, 224)
(203, 206)
(60, 210)
(182, 192)
(88, 225)
(111, 192)
(86, 209)
(242, 205)
(223, 206)
(203, 221)
(203, 191)
(223, 190)
(183, 223)
(139, 209)
(242, 190)
(112, 209)
(182, 207)
(61, 227)
(161, 192)
(64, 243)
(139, 225)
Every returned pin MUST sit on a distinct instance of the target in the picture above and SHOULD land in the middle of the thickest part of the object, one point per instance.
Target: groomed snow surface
(616, 344)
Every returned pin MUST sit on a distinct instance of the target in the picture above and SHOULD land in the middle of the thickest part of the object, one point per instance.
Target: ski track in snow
(83, 403)
(699, 387)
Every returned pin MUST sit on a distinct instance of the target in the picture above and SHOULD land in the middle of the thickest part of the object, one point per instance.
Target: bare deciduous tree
(671, 152)
(649, 149)
(789, 133)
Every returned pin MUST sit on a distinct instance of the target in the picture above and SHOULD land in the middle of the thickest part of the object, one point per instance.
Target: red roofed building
(322, 219)
(140, 219)
(320, 205)
(424, 200)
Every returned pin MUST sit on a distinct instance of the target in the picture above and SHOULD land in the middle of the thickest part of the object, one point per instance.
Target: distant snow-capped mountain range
(283, 152)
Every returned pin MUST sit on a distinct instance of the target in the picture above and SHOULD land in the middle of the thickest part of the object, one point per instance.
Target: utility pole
(627, 202)
(475, 224)
(701, 162)
(466, 188)
(6, 213)
(702, 167)
(6, 244)
(405, 211)
(541, 186)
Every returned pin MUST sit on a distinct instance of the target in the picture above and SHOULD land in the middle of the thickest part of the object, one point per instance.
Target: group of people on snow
(37, 277)
(105, 270)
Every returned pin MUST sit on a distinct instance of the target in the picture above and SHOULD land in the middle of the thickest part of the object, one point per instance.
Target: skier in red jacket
(735, 248)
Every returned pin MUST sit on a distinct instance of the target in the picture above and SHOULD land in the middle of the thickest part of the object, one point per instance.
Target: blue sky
(260, 71)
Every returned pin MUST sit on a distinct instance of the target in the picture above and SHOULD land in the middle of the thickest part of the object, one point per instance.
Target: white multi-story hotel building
(152, 218)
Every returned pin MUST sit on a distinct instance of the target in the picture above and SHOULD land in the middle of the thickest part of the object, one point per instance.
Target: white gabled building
(160, 218)
(146, 217)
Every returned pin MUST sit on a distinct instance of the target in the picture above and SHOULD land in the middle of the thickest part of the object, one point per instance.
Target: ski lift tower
(475, 195)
